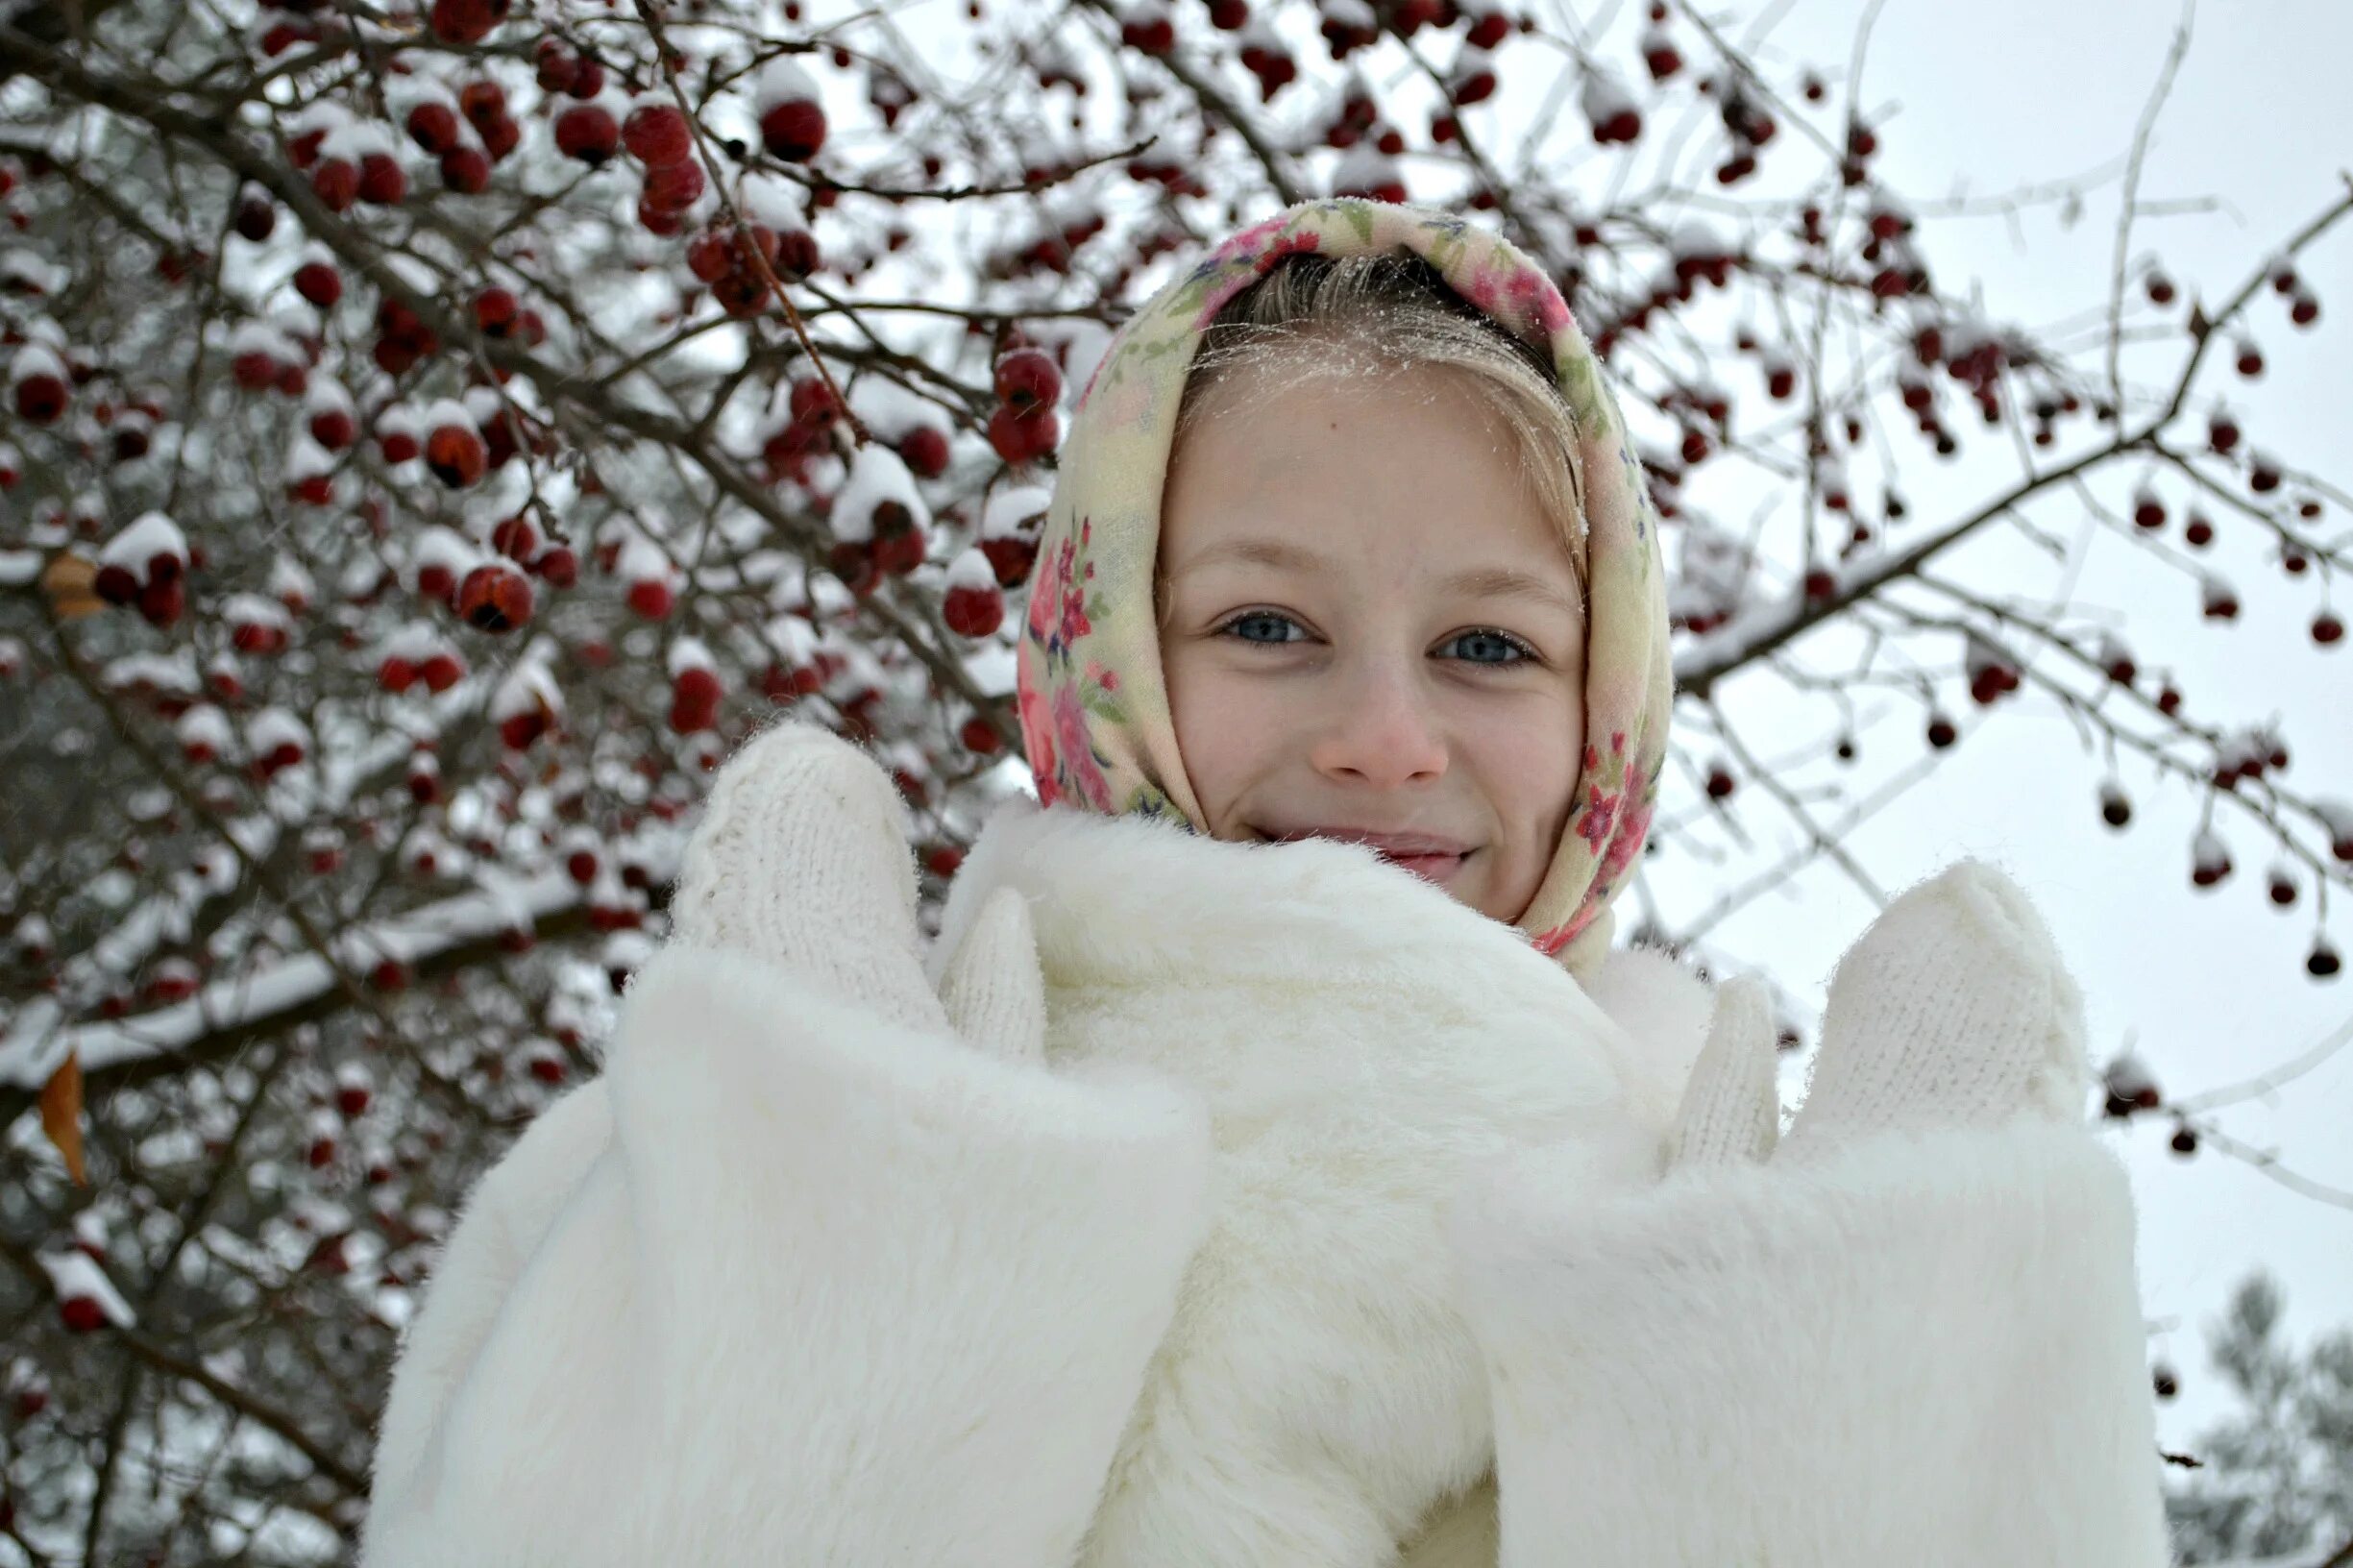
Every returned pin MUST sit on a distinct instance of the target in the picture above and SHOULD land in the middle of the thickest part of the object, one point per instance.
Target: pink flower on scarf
(1037, 739)
(1058, 602)
(1045, 590)
(1601, 812)
(1632, 829)
(1235, 250)
(1551, 311)
(1076, 760)
(1247, 240)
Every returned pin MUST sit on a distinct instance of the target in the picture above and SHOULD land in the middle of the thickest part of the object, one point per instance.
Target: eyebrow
(1502, 581)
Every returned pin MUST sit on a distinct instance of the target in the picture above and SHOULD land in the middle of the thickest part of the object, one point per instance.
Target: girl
(1271, 1161)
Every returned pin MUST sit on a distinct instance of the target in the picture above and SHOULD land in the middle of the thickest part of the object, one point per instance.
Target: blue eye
(1248, 616)
(1516, 652)
(1503, 639)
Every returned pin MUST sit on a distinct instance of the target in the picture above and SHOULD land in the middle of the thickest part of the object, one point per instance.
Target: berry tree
(436, 430)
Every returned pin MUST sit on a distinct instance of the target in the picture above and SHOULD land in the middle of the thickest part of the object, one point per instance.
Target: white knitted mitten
(1951, 1010)
(800, 861)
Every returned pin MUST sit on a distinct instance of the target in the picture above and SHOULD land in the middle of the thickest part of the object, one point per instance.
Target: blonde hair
(1357, 316)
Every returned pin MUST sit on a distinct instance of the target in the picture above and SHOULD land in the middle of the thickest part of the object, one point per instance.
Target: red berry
(496, 597)
(40, 399)
(465, 170)
(466, 21)
(710, 256)
(980, 737)
(433, 128)
(658, 135)
(456, 454)
(256, 218)
(811, 401)
(557, 566)
(793, 130)
(515, 538)
(495, 311)
(672, 188)
(796, 253)
(557, 65)
(481, 101)
(82, 1313)
(318, 282)
(383, 181)
(1028, 378)
(517, 730)
(926, 452)
(1010, 557)
(2326, 629)
(335, 182)
(741, 293)
(586, 132)
(650, 598)
(1019, 437)
(974, 612)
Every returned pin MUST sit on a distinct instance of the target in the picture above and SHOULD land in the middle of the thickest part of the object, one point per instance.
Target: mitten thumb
(991, 987)
(1731, 1113)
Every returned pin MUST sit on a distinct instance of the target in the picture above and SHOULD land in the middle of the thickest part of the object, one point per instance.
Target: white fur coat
(1332, 1235)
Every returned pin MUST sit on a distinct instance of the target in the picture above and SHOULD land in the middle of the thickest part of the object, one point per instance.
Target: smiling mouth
(1430, 868)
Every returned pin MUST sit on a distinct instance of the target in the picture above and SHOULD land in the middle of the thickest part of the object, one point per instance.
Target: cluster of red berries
(723, 257)
(465, 166)
(146, 565)
(1991, 673)
(812, 415)
(1026, 426)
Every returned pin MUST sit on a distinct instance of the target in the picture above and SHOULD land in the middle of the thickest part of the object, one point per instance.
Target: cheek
(1530, 761)
(1225, 724)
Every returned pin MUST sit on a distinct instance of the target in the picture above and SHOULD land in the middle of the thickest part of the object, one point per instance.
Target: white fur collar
(1363, 1046)
(1122, 901)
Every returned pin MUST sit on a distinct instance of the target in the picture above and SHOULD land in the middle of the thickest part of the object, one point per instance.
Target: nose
(1383, 731)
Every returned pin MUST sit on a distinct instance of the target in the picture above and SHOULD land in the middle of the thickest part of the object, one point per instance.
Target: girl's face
(1366, 623)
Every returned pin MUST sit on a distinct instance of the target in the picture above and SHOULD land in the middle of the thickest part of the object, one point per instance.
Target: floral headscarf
(1095, 721)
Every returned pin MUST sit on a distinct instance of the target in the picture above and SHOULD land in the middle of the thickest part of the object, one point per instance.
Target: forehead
(1388, 468)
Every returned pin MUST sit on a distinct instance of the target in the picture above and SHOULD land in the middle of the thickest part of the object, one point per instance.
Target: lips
(1426, 855)
(1393, 846)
